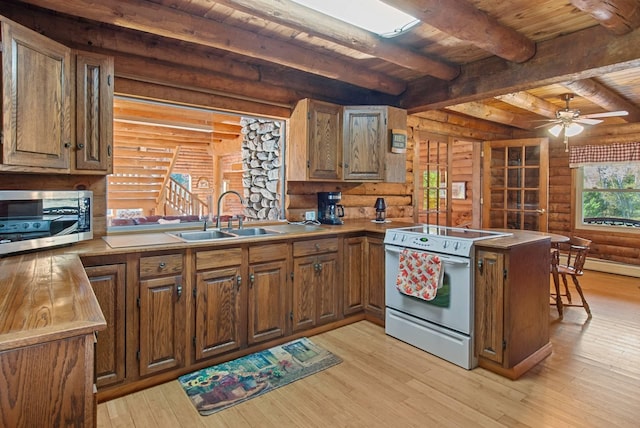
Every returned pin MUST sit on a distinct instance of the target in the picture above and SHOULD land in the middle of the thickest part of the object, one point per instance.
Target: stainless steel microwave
(31, 220)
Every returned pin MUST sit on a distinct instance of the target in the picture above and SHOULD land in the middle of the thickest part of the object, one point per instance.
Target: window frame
(578, 180)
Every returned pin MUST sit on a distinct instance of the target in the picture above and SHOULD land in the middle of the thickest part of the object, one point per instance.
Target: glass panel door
(515, 189)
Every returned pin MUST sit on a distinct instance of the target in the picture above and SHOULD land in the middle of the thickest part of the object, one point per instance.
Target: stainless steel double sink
(217, 234)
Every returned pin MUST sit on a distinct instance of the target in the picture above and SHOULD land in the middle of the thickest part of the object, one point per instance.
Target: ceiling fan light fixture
(555, 130)
(573, 129)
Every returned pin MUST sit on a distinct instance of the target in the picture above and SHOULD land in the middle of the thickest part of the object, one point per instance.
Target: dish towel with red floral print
(419, 274)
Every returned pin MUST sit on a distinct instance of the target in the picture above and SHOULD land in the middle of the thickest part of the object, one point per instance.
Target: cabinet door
(37, 107)
(354, 275)
(94, 112)
(218, 319)
(304, 292)
(374, 291)
(325, 148)
(162, 324)
(108, 283)
(364, 143)
(327, 297)
(489, 305)
(267, 301)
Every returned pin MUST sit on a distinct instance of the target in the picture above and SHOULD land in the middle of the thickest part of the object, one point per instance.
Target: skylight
(372, 15)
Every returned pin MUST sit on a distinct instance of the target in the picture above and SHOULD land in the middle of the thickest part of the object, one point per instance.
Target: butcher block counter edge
(46, 296)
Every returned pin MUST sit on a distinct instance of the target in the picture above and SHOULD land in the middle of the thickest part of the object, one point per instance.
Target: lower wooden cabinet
(512, 307)
(267, 294)
(108, 283)
(162, 309)
(315, 283)
(219, 302)
(374, 290)
(355, 274)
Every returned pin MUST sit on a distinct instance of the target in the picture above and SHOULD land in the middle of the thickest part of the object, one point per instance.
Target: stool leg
(566, 287)
(556, 283)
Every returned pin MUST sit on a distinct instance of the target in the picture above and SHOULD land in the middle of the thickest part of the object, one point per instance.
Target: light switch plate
(310, 215)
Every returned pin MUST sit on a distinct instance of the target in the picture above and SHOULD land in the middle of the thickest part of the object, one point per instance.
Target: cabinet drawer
(168, 264)
(264, 253)
(218, 258)
(316, 246)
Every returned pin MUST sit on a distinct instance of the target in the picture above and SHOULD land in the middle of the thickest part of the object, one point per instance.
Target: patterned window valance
(619, 152)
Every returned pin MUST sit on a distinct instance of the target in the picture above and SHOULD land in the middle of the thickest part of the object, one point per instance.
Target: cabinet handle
(179, 290)
(162, 265)
(251, 280)
(480, 265)
(109, 150)
(80, 146)
(317, 247)
(67, 145)
(238, 281)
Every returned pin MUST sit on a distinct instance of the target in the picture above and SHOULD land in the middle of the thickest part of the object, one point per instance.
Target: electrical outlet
(310, 215)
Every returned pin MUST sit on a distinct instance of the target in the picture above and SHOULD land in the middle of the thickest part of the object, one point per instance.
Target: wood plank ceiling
(508, 62)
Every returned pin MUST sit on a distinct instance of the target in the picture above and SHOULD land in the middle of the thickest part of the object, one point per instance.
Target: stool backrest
(576, 250)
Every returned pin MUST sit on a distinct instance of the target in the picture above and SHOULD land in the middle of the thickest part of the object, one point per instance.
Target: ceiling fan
(569, 121)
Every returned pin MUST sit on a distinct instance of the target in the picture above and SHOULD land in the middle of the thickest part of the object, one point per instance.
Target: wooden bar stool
(569, 261)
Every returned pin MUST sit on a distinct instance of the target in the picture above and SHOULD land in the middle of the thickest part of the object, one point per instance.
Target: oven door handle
(445, 259)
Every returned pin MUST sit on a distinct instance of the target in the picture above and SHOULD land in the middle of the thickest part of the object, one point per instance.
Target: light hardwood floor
(592, 379)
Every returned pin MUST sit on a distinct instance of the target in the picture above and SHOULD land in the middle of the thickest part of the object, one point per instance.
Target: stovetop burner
(442, 239)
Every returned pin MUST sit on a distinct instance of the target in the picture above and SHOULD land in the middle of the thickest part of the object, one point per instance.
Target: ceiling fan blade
(547, 124)
(606, 114)
(588, 121)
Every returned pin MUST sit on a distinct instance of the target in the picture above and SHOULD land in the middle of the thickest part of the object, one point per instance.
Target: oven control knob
(456, 245)
(36, 225)
(25, 225)
(445, 244)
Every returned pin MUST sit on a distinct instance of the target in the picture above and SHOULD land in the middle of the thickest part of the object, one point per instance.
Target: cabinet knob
(81, 146)
(317, 247)
(67, 145)
(162, 265)
(251, 280)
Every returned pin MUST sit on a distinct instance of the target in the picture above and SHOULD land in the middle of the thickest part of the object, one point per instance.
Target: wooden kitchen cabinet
(94, 113)
(366, 140)
(355, 274)
(267, 295)
(375, 277)
(315, 133)
(108, 283)
(220, 308)
(162, 310)
(315, 283)
(512, 307)
(36, 114)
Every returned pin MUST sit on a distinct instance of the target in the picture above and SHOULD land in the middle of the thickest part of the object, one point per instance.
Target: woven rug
(224, 385)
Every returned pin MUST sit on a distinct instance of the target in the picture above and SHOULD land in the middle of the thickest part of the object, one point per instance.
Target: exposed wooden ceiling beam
(157, 19)
(585, 54)
(493, 114)
(308, 20)
(599, 94)
(526, 101)
(462, 20)
(618, 16)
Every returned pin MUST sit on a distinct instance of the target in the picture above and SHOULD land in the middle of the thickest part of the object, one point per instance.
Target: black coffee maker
(329, 209)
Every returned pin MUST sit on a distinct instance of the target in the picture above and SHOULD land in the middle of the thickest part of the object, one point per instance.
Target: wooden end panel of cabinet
(489, 305)
(214, 259)
(315, 246)
(50, 384)
(94, 112)
(168, 264)
(374, 290)
(108, 283)
(162, 324)
(354, 274)
(266, 253)
(218, 312)
(36, 77)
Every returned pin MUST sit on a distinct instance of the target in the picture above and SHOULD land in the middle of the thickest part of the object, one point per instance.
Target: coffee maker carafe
(329, 209)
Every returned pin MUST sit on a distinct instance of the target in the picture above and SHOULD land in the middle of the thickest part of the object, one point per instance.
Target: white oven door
(452, 307)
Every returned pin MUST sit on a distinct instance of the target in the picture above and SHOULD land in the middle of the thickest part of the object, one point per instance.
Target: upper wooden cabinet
(94, 112)
(329, 142)
(315, 142)
(45, 127)
(36, 111)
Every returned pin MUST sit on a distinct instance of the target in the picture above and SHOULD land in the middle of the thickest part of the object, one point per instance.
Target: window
(171, 163)
(608, 196)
